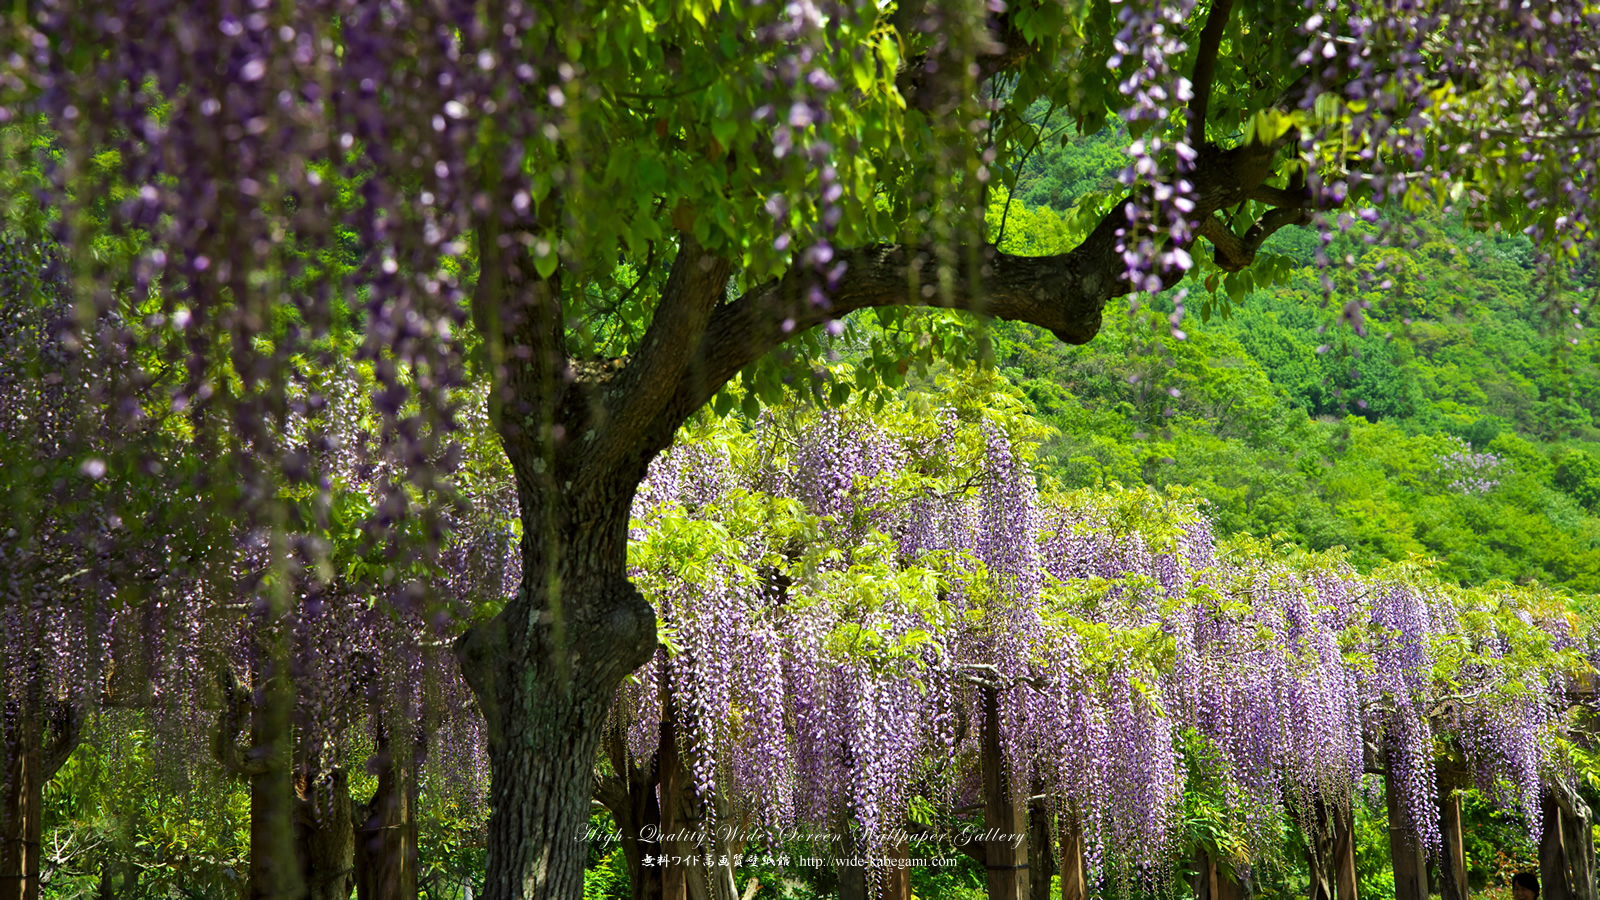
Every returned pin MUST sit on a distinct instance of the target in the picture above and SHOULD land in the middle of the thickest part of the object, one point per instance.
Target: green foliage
(605, 875)
(115, 812)
(1286, 422)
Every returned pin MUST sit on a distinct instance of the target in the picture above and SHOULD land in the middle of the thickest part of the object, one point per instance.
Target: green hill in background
(1456, 423)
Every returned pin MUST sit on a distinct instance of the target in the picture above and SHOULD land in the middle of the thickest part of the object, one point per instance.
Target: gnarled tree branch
(1234, 252)
(1205, 68)
(1064, 293)
(694, 287)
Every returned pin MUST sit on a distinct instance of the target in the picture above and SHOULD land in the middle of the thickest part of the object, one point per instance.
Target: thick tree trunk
(275, 872)
(544, 671)
(385, 827)
(37, 744)
(1566, 847)
(275, 867)
(1410, 863)
(324, 837)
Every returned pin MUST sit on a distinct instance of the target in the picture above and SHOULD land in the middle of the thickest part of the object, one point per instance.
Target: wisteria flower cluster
(829, 616)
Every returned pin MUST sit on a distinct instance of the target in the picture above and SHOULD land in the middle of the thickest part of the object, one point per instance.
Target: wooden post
(1073, 884)
(1453, 863)
(896, 879)
(1410, 865)
(1321, 861)
(1552, 852)
(1006, 857)
(853, 882)
(1344, 851)
(1041, 850)
(674, 883)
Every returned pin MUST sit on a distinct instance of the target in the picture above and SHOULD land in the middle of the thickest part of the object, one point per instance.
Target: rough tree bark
(580, 434)
(275, 871)
(385, 827)
(1003, 813)
(40, 736)
(324, 837)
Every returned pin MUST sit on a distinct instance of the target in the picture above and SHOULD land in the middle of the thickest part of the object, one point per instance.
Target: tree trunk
(1566, 848)
(275, 872)
(1552, 852)
(631, 798)
(1213, 882)
(1003, 818)
(36, 744)
(1344, 852)
(20, 848)
(324, 837)
(1321, 865)
(542, 777)
(674, 778)
(1577, 830)
(544, 671)
(385, 833)
(1410, 864)
(1205, 876)
(853, 883)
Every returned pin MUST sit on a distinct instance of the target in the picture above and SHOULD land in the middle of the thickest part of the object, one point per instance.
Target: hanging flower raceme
(828, 605)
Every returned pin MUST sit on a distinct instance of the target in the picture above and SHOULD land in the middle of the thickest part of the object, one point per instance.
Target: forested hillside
(1450, 422)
